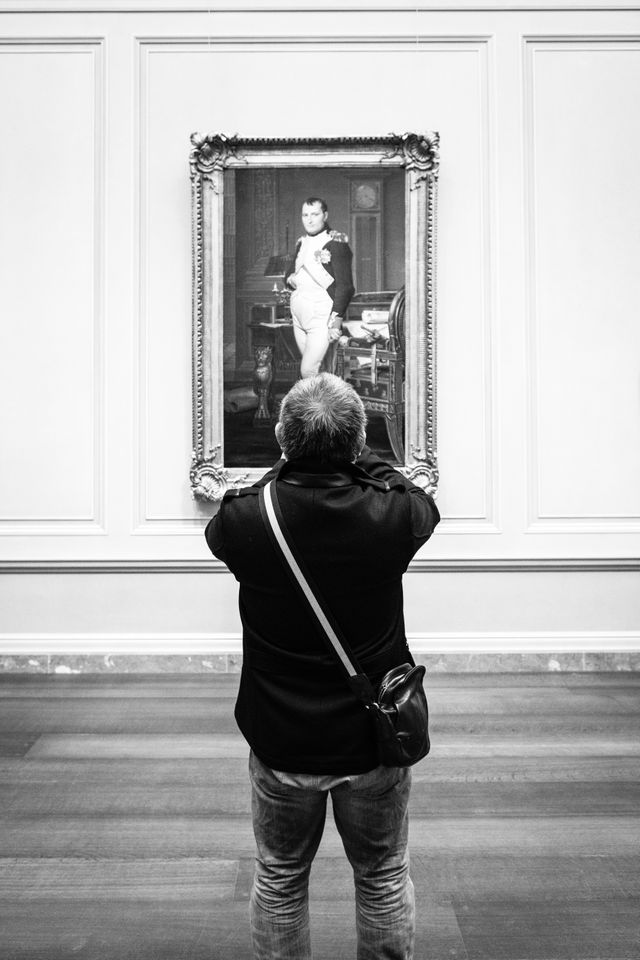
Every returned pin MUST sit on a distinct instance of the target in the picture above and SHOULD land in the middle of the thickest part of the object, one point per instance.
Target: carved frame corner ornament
(210, 481)
(211, 151)
(210, 156)
(420, 153)
(423, 471)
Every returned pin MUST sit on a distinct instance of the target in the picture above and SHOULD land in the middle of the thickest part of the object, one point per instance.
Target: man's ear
(279, 433)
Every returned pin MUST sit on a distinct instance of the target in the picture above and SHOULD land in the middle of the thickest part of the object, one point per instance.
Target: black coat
(356, 527)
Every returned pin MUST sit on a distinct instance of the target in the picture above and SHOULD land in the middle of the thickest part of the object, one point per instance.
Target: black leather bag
(399, 709)
(400, 713)
(401, 716)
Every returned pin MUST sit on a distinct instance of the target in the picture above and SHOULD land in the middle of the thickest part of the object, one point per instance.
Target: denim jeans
(370, 812)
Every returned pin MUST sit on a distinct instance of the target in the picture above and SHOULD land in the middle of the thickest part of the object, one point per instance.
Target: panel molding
(216, 644)
(92, 525)
(477, 565)
(147, 523)
(538, 523)
(311, 6)
(578, 525)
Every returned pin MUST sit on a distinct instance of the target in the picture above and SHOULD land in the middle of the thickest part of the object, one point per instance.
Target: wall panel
(51, 196)
(584, 199)
(181, 88)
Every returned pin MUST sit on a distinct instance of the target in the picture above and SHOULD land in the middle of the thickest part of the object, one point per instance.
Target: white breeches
(311, 327)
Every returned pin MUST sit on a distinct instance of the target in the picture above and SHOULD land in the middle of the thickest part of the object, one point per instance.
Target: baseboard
(222, 652)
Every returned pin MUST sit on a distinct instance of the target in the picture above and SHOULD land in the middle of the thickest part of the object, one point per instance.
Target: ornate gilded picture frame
(247, 195)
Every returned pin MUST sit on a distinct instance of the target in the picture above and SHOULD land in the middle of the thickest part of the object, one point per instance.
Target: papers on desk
(275, 324)
(372, 326)
(375, 316)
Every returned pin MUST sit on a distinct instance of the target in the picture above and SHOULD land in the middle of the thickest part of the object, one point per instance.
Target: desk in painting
(370, 356)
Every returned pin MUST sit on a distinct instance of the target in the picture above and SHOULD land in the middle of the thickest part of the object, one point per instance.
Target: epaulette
(361, 476)
(340, 237)
(241, 492)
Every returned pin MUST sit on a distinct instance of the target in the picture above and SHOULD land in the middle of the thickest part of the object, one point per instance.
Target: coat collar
(313, 473)
(315, 239)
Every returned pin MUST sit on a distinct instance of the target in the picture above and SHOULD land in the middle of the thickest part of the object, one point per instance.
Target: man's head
(322, 418)
(315, 214)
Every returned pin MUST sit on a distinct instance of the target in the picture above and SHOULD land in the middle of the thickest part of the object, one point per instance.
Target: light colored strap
(303, 583)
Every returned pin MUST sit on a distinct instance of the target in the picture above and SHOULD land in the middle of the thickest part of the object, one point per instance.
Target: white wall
(538, 299)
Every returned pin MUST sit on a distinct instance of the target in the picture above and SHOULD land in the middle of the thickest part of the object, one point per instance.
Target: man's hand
(335, 327)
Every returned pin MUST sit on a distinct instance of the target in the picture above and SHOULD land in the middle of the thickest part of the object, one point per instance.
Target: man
(322, 284)
(356, 524)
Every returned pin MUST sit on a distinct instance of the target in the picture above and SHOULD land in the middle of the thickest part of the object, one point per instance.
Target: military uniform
(321, 269)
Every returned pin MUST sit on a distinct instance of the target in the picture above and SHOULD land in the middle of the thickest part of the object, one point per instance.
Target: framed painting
(369, 203)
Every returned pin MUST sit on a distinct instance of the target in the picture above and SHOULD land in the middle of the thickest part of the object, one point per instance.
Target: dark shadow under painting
(261, 225)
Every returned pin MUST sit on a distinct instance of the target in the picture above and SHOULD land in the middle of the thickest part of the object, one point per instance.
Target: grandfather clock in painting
(366, 232)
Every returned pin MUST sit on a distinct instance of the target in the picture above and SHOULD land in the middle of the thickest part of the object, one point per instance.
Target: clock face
(365, 196)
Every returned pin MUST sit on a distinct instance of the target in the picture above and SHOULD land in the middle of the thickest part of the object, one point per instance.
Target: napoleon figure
(322, 285)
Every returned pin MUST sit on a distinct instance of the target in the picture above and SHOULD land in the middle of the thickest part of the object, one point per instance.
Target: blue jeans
(371, 814)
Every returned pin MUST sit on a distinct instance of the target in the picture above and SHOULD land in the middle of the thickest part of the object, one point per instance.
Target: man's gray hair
(323, 418)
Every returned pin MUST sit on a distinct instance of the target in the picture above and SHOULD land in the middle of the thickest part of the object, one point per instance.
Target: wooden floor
(126, 831)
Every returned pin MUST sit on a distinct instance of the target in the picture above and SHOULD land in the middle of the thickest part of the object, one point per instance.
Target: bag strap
(281, 538)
